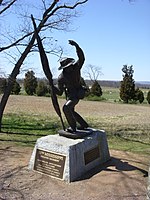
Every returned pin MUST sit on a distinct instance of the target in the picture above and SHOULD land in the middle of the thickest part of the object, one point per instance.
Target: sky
(112, 33)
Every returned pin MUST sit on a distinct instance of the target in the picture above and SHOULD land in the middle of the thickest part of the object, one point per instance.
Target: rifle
(46, 69)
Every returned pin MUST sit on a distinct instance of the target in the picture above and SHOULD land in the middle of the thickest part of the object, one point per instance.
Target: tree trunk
(12, 77)
(16, 69)
(47, 14)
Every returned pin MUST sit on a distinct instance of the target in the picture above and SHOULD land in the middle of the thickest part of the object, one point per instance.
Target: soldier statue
(69, 81)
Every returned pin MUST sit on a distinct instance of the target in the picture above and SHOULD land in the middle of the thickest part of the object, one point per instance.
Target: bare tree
(93, 72)
(55, 16)
(6, 5)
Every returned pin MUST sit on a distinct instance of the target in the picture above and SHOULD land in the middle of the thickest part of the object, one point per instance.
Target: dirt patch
(123, 177)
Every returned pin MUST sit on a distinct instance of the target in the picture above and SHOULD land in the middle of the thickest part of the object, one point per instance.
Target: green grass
(126, 138)
(119, 143)
(26, 129)
(111, 94)
(137, 132)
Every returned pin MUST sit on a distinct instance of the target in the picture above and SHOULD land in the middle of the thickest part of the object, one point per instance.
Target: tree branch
(66, 7)
(8, 6)
(47, 14)
(16, 42)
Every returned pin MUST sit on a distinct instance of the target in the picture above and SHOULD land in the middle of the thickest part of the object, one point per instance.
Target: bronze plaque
(50, 163)
(91, 155)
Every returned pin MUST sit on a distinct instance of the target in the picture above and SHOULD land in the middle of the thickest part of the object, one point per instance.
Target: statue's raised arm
(81, 57)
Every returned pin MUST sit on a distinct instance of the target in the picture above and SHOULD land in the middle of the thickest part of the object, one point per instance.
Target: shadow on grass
(27, 129)
(26, 135)
(117, 166)
(29, 126)
(136, 140)
(19, 141)
(23, 134)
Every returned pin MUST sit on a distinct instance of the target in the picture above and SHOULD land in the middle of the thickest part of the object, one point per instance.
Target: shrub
(41, 89)
(96, 89)
(148, 97)
(30, 83)
(3, 84)
(139, 95)
(16, 88)
(85, 86)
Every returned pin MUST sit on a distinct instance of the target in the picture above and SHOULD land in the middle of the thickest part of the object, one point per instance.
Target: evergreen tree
(30, 83)
(3, 84)
(139, 95)
(127, 87)
(41, 89)
(96, 89)
(84, 85)
(148, 97)
(16, 88)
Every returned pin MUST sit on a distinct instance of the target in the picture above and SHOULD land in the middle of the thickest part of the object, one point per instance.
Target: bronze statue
(69, 81)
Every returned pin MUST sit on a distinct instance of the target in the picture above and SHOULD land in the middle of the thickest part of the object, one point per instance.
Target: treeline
(40, 87)
(129, 90)
(31, 85)
(116, 84)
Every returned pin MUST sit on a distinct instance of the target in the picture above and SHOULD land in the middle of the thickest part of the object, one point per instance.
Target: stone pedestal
(68, 159)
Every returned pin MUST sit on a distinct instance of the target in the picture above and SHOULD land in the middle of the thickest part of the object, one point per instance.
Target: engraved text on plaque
(91, 155)
(50, 163)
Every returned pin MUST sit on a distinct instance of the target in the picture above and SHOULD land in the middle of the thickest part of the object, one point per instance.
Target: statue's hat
(66, 62)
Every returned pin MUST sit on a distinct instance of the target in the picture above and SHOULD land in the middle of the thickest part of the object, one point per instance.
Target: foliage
(96, 89)
(41, 89)
(127, 87)
(16, 88)
(30, 83)
(148, 97)
(139, 95)
(3, 83)
(83, 83)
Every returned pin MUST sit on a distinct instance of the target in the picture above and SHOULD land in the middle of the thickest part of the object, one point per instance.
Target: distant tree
(16, 88)
(96, 89)
(83, 83)
(139, 95)
(3, 84)
(93, 72)
(148, 97)
(30, 83)
(41, 89)
(127, 86)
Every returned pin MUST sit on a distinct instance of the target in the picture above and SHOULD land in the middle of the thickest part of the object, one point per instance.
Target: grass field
(111, 94)
(127, 125)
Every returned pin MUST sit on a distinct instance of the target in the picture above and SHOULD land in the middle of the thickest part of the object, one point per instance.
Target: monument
(69, 159)
(77, 149)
